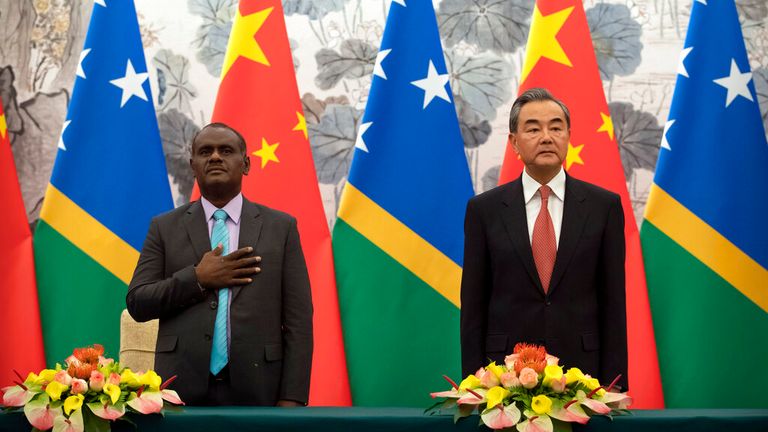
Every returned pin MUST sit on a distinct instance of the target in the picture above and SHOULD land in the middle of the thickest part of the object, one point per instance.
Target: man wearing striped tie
(544, 256)
(228, 281)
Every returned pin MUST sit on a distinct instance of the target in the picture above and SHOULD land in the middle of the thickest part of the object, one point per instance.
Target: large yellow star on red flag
(607, 125)
(573, 156)
(3, 126)
(542, 39)
(242, 39)
(267, 152)
(301, 125)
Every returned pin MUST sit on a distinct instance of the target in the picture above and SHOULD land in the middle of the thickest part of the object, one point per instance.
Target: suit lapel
(197, 229)
(250, 231)
(516, 223)
(574, 218)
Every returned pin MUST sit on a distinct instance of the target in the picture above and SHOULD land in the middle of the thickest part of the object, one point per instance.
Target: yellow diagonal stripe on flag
(400, 242)
(707, 245)
(89, 235)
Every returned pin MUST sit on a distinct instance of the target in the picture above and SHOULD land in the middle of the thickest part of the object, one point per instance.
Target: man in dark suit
(236, 328)
(544, 256)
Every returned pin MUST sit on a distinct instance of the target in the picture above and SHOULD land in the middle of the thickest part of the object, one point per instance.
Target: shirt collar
(531, 186)
(233, 208)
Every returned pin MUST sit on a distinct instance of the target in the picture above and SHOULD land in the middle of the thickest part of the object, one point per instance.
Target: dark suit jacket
(582, 318)
(270, 319)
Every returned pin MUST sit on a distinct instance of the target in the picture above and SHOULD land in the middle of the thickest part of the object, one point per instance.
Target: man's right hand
(215, 271)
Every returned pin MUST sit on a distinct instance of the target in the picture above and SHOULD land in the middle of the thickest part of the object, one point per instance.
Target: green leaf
(13, 409)
(463, 411)
(92, 422)
(561, 426)
(434, 408)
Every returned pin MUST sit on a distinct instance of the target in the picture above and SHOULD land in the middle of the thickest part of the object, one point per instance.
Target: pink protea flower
(530, 356)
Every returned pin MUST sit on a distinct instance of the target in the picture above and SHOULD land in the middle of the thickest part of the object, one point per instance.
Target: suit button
(207, 337)
(549, 303)
(214, 304)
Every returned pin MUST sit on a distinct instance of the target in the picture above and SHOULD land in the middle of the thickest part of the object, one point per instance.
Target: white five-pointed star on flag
(360, 141)
(664, 142)
(61, 136)
(681, 64)
(131, 84)
(433, 85)
(100, 3)
(400, 2)
(736, 83)
(83, 54)
(377, 69)
(704, 2)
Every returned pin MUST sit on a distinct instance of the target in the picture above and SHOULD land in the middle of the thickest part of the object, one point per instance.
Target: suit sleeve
(151, 295)
(613, 325)
(297, 321)
(475, 282)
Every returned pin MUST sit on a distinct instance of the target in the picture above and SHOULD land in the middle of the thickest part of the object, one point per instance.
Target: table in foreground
(410, 419)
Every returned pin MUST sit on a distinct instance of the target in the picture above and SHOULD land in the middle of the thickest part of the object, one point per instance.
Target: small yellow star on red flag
(573, 156)
(301, 126)
(542, 39)
(607, 125)
(267, 152)
(242, 42)
(3, 126)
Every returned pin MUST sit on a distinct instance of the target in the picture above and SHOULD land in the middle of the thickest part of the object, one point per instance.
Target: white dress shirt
(532, 199)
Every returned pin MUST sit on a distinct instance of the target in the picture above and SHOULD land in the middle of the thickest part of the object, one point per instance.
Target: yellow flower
(573, 375)
(593, 383)
(151, 380)
(471, 382)
(54, 389)
(32, 378)
(73, 403)
(495, 369)
(47, 375)
(113, 391)
(496, 396)
(541, 404)
(129, 378)
(552, 373)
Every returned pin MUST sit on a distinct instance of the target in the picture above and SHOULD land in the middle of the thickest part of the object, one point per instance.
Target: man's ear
(512, 141)
(194, 176)
(246, 164)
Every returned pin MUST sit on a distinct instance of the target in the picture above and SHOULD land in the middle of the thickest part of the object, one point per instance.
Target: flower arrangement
(88, 393)
(532, 392)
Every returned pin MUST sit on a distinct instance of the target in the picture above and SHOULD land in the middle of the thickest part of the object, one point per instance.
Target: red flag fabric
(559, 56)
(259, 97)
(19, 313)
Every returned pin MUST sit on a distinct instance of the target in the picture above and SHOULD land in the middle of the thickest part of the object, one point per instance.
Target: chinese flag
(22, 348)
(559, 56)
(258, 96)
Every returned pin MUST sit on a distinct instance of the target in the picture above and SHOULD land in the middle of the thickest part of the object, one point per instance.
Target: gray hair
(537, 94)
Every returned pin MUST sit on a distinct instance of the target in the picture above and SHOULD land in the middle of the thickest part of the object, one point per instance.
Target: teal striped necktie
(219, 357)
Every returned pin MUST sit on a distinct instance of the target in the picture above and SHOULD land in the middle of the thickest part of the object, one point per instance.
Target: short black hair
(536, 94)
(220, 125)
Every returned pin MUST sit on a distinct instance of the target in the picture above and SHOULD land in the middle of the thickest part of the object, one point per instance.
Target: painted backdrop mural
(335, 46)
